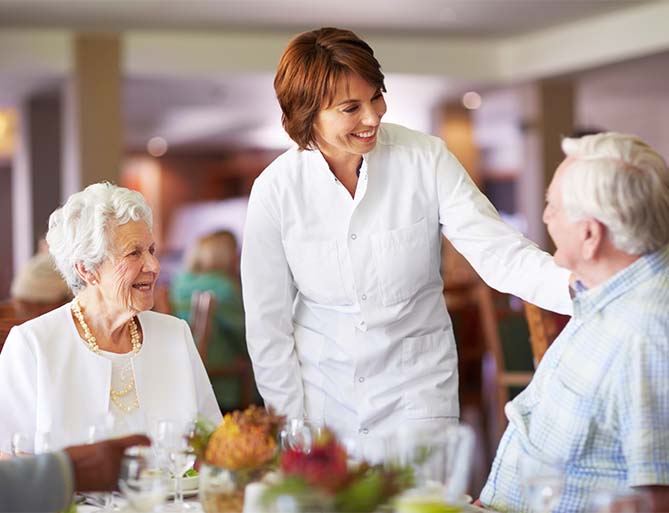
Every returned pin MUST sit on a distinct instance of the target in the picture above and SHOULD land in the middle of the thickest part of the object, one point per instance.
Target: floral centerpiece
(325, 479)
(238, 451)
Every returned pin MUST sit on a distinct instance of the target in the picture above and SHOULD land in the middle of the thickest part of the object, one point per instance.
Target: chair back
(504, 349)
(202, 307)
(20, 309)
(161, 299)
(544, 327)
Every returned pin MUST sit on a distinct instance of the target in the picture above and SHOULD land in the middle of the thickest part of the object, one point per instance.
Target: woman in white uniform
(346, 320)
(104, 353)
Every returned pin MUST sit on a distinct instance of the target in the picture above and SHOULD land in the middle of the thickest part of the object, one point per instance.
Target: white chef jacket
(50, 382)
(345, 318)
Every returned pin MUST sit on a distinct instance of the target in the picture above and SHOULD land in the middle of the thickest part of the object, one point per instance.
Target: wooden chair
(161, 299)
(544, 327)
(6, 324)
(16, 308)
(501, 349)
(203, 309)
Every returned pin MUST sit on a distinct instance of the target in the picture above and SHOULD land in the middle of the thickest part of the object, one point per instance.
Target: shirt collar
(587, 301)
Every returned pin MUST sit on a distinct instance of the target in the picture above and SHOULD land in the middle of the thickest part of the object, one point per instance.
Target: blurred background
(175, 99)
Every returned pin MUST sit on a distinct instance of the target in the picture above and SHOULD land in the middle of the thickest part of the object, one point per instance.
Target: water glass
(442, 461)
(23, 445)
(102, 428)
(171, 442)
(300, 435)
(143, 484)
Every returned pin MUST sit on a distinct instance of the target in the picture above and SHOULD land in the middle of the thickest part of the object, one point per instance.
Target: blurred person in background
(597, 408)
(212, 264)
(39, 282)
(345, 316)
(104, 353)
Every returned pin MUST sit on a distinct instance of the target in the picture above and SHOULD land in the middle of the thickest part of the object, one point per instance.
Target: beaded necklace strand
(126, 372)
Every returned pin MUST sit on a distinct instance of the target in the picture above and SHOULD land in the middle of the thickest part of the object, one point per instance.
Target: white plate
(187, 494)
(189, 484)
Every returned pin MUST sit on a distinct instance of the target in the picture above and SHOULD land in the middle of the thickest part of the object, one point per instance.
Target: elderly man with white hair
(103, 354)
(597, 410)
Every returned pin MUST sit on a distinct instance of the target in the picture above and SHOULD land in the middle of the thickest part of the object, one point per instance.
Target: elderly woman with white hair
(104, 353)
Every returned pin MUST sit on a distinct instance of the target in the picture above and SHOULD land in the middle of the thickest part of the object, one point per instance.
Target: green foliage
(200, 438)
(365, 493)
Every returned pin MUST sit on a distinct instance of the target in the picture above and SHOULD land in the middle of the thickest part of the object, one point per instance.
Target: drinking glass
(300, 434)
(542, 483)
(175, 454)
(441, 461)
(102, 428)
(142, 483)
(23, 445)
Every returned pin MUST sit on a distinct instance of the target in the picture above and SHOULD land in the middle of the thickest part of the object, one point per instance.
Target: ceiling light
(157, 147)
(471, 100)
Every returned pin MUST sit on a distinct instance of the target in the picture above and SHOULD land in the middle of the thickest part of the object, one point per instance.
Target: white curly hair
(79, 231)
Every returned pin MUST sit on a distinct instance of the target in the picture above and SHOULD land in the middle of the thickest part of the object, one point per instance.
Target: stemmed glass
(142, 483)
(299, 434)
(23, 445)
(442, 465)
(101, 429)
(173, 449)
(542, 483)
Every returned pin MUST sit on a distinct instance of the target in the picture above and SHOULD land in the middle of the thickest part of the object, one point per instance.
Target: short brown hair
(310, 69)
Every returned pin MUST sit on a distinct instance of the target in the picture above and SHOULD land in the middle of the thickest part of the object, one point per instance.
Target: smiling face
(349, 127)
(126, 279)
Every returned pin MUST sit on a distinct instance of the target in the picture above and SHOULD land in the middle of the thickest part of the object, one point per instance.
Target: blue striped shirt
(598, 405)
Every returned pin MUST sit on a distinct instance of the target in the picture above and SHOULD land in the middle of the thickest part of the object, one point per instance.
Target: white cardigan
(50, 382)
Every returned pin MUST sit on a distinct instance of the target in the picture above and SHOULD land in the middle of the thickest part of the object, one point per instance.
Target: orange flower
(243, 440)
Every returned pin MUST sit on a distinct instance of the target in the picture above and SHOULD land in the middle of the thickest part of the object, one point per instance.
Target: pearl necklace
(92, 344)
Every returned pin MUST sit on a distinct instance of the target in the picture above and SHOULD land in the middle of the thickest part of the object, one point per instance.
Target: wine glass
(542, 483)
(102, 428)
(444, 462)
(171, 439)
(300, 434)
(142, 483)
(23, 445)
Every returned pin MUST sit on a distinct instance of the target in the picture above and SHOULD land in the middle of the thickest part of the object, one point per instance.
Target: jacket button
(354, 236)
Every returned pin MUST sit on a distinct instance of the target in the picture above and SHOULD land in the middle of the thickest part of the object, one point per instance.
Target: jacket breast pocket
(316, 270)
(403, 261)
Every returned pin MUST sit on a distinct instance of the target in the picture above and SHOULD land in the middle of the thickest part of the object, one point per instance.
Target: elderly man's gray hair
(79, 230)
(623, 183)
